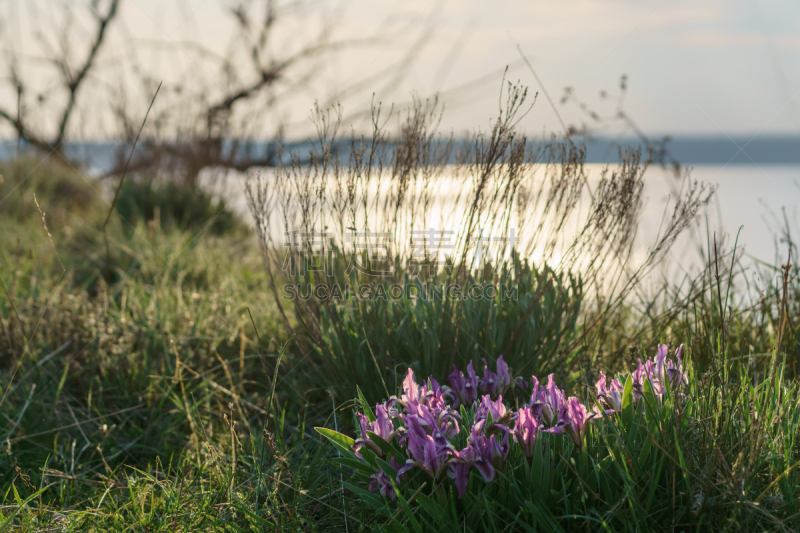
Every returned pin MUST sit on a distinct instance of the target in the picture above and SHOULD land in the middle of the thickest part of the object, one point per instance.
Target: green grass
(409, 332)
(138, 395)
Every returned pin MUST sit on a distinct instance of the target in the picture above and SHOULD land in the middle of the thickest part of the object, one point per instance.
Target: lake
(759, 199)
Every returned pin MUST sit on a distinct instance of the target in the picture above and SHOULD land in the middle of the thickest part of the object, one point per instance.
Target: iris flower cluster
(424, 420)
(658, 371)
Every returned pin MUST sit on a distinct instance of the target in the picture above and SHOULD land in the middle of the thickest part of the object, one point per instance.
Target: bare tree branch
(75, 80)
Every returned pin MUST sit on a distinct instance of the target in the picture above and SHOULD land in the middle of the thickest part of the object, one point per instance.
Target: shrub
(175, 206)
(369, 344)
(61, 191)
(362, 215)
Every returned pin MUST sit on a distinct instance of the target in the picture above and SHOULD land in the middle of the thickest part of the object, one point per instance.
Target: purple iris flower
(441, 424)
(577, 420)
(503, 377)
(464, 389)
(547, 403)
(491, 453)
(459, 473)
(426, 453)
(535, 397)
(639, 376)
(429, 393)
(526, 431)
(363, 440)
(496, 383)
(658, 370)
(389, 405)
(435, 392)
(610, 392)
(489, 380)
(457, 386)
(642, 370)
(382, 426)
(380, 482)
(675, 372)
(474, 455)
(411, 391)
(486, 454)
(498, 450)
(488, 407)
(519, 382)
(397, 466)
(660, 362)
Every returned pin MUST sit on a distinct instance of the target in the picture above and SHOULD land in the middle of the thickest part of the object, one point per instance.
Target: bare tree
(73, 77)
(225, 111)
(211, 134)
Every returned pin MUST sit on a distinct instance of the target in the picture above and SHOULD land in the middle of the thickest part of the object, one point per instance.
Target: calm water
(755, 198)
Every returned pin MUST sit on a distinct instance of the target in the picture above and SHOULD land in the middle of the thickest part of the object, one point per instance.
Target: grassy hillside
(155, 386)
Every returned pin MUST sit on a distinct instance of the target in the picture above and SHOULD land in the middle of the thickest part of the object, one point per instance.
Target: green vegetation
(409, 333)
(158, 388)
(173, 205)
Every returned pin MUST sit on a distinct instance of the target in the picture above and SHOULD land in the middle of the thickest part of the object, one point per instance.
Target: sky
(693, 67)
